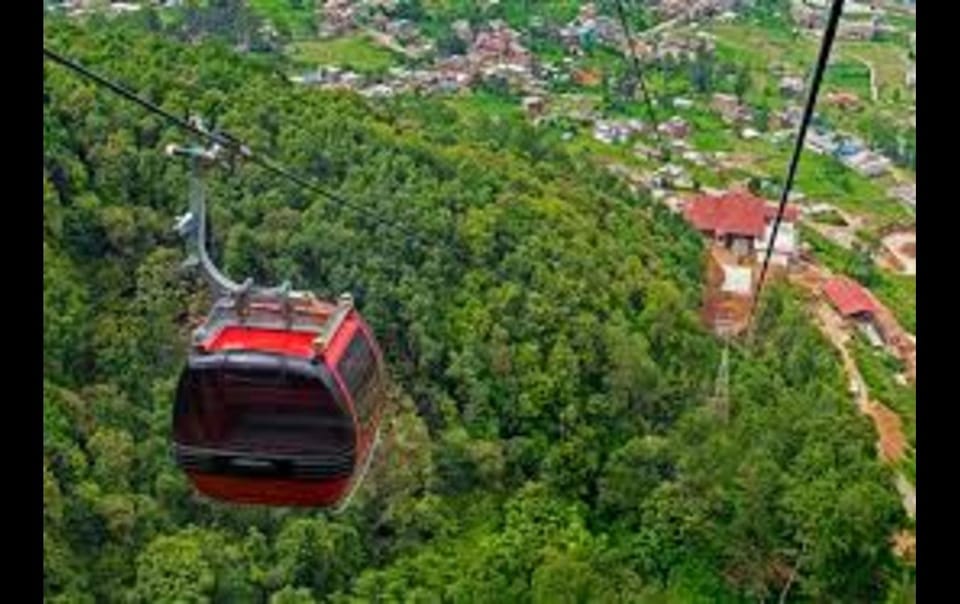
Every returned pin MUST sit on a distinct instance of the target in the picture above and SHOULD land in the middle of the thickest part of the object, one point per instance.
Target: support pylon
(721, 394)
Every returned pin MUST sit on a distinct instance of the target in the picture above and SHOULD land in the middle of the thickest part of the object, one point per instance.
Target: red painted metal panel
(278, 341)
(271, 491)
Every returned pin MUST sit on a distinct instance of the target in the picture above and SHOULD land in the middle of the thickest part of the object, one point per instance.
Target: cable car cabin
(279, 402)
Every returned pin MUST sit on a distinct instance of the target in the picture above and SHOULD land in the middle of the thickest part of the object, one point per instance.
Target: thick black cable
(230, 143)
(621, 13)
(826, 44)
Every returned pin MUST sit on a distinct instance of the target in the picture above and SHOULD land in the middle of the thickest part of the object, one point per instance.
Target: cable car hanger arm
(192, 226)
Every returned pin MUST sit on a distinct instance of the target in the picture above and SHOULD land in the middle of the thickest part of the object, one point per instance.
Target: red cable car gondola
(281, 397)
(279, 410)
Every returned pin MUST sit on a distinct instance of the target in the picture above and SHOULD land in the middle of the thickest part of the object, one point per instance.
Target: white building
(785, 247)
(737, 280)
(868, 163)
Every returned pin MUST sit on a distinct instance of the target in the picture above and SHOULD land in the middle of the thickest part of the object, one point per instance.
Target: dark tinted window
(259, 411)
(359, 371)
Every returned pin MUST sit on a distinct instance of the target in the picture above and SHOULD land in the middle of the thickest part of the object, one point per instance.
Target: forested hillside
(551, 438)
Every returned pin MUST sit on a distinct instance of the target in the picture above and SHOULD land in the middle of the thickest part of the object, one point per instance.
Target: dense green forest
(551, 439)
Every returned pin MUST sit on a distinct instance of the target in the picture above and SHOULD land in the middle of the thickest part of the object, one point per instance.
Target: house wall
(776, 259)
(869, 328)
(787, 241)
(741, 246)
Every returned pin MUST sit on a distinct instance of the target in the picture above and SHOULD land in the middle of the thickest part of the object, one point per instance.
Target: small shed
(737, 280)
(856, 304)
(534, 105)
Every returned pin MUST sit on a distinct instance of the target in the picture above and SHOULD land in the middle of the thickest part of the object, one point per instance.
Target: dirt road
(903, 245)
(874, 93)
(892, 445)
(909, 494)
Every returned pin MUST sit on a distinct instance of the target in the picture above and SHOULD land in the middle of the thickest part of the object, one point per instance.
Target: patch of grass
(295, 17)
(830, 217)
(909, 467)
(825, 178)
(827, 253)
(848, 76)
(357, 52)
(878, 368)
(899, 294)
(709, 133)
(886, 57)
(485, 104)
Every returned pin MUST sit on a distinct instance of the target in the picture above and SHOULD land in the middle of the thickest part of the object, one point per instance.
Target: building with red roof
(849, 297)
(743, 223)
(854, 302)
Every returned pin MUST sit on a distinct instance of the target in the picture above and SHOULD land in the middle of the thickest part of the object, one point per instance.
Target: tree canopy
(550, 441)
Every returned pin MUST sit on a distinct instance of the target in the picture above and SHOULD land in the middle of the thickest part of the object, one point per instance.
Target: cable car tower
(721, 393)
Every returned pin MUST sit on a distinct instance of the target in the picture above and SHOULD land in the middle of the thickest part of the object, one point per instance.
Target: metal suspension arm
(192, 226)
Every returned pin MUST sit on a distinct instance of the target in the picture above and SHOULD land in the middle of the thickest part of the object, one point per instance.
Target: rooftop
(733, 213)
(849, 297)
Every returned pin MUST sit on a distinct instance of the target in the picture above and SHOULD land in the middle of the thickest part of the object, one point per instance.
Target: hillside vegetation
(551, 438)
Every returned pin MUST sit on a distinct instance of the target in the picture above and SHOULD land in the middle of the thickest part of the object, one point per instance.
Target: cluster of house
(731, 110)
(850, 151)
(399, 80)
(670, 177)
(866, 162)
(742, 223)
(494, 52)
(77, 8)
(906, 193)
(617, 131)
(791, 86)
(692, 9)
(337, 17)
(330, 76)
(498, 43)
(587, 29)
(676, 128)
(678, 46)
(735, 113)
(861, 21)
(739, 226)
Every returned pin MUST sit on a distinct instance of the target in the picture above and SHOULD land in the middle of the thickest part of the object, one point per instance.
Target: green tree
(174, 569)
